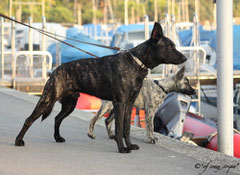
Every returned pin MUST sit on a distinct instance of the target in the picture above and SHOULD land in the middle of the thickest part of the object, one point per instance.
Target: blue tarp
(211, 36)
(99, 31)
(186, 36)
(132, 27)
(69, 53)
(236, 45)
(128, 28)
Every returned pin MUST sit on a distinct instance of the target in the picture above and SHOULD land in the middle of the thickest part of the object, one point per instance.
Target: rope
(49, 34)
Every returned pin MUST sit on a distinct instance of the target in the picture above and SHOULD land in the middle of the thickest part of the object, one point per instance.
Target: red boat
(202, 127)
(88, 103)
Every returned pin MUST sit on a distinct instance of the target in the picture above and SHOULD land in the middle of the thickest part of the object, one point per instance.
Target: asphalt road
(41, 155)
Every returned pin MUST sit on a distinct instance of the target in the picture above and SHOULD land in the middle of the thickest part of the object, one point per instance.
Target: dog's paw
(134, 147)
(124, 150)
(111, 136)
(59, 139)
(19, 143)
(92, 136)
(151, 140)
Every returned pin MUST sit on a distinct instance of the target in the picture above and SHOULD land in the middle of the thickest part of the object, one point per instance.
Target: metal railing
(195, 72)
(10, 58)
(46, 65)
(2, 49)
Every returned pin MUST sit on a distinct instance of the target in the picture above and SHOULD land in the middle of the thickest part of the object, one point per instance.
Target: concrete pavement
(80, 155)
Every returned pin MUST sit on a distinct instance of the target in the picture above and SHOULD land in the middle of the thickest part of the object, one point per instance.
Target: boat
(174, 120)
(204, 128)
(88, 103)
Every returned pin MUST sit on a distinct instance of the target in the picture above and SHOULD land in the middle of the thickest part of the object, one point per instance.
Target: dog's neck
(167, 85)
(142, 53)
(139, 62)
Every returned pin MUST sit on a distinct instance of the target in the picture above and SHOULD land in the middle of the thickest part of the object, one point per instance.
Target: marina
(32, 49)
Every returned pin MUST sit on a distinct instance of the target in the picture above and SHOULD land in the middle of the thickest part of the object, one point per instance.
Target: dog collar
(138, 61)
(163, 89)
(159, 85)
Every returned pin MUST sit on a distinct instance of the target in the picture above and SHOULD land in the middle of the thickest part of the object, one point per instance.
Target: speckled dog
(151, 96)
(116, 78)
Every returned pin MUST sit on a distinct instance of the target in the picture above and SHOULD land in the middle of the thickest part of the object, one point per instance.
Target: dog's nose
(193, 92)
(184, 58)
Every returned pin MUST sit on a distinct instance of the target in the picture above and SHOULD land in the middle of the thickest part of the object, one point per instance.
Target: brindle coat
(151, 96)
(116, 78)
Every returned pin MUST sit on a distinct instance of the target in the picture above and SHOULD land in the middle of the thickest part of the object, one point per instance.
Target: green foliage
(236, 8)
(206, 10)
(62, 11)
(60, 14)
(162, 8)
(4, 7)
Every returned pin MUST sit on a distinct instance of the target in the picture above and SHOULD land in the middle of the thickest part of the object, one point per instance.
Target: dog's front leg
(105, 108)
(127, 127)
(149, 114)
(119, 110)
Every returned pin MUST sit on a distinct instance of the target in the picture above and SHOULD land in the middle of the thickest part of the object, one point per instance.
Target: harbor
(198, 132)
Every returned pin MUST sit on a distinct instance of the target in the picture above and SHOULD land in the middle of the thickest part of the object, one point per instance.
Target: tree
(236, 8)
(63, 10)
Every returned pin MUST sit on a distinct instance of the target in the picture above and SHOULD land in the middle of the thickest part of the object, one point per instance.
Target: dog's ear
(157, 32)
(180, 73)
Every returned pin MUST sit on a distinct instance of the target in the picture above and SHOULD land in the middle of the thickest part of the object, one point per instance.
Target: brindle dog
(150, 97)
(116, 78)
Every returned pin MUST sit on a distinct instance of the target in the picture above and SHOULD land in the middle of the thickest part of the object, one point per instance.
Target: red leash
(49, 34)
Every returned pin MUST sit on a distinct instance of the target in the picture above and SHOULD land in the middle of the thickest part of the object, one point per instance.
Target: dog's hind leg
(68, 105)
(44, 105)
(104, 109)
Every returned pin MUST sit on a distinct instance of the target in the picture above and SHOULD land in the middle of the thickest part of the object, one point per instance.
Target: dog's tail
(47, 113)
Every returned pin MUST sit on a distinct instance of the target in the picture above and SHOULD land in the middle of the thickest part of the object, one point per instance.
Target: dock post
(225, 76)
(167, 29)
(146, 28)
(44, 63)
(196, 57)
(58, 54)
(126, 12)
(2, 49)
(146, 32)
(173, 29)
(13, 45)
(30, 48)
